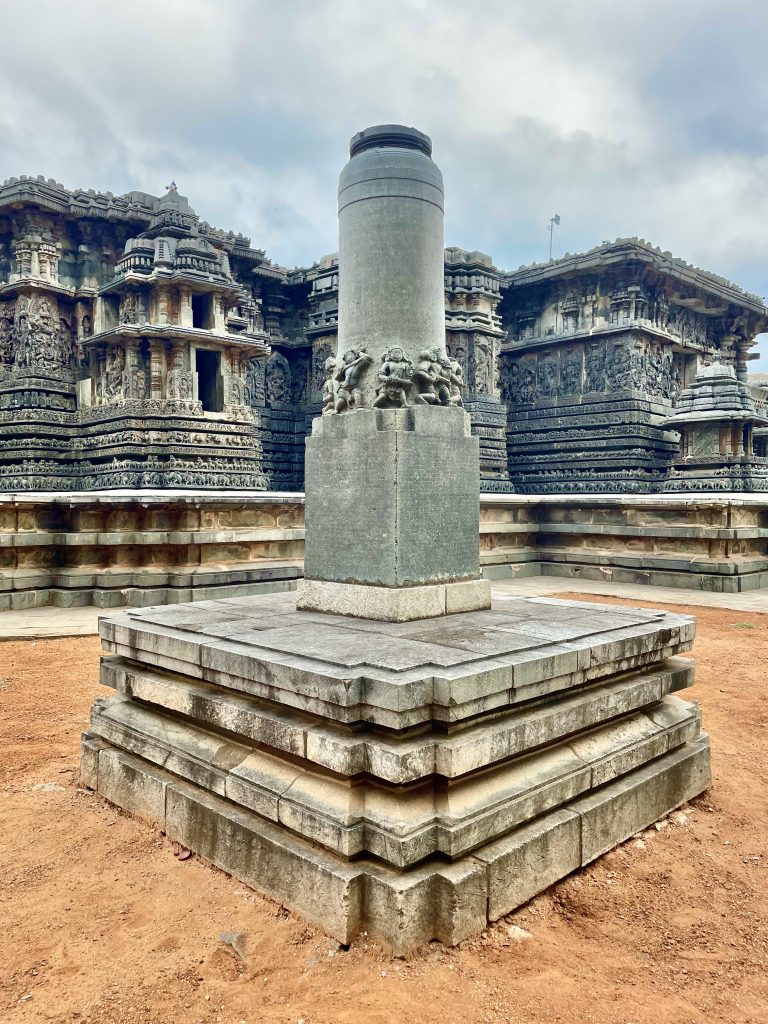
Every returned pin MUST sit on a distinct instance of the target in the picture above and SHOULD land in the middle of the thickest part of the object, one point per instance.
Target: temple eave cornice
(256, 345)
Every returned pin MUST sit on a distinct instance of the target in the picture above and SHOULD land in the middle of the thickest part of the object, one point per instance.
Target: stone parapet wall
(121, 548)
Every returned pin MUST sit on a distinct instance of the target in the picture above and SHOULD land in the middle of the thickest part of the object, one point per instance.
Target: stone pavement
(45, 623)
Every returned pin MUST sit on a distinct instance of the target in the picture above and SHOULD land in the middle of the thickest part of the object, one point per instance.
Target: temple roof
(638, 250)
(714, 394)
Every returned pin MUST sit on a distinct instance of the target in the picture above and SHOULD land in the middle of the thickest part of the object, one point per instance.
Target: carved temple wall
(141, 347)
(145, 548)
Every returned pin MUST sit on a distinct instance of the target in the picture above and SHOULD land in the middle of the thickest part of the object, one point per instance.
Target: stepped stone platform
(413, 780)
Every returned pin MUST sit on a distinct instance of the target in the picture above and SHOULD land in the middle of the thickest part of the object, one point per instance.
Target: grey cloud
(647, 119)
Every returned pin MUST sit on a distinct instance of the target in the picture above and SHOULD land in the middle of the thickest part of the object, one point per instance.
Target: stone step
(400, 825)
(403, 909)
(399, 759)
(397, 675)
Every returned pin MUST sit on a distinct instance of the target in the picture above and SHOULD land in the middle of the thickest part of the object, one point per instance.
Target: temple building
(142, 348)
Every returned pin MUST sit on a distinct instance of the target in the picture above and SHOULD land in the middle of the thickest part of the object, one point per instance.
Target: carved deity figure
(7, 311)
(113, 377)
(618, 368)
(278, 379)
(129, 313)
(320, 356)
(395, 380)
(570, 373)
(548, 384)
(528, 391)
(349, 375)
(329, 393)
(483, 360)
(595, 368)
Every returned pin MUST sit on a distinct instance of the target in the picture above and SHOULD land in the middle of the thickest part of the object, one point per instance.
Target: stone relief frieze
(278, 379)
(322, 350)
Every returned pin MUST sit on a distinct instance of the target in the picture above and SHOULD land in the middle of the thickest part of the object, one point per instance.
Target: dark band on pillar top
(395, 135)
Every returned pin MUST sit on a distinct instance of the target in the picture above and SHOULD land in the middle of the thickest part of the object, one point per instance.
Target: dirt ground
(102, 923)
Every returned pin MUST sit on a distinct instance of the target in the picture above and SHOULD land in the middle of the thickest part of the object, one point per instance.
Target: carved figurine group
(435, 379)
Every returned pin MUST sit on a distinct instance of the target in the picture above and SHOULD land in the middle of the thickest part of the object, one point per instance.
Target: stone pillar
(156, 366)
(741, 365)
(185, 307)
(391, 259)
(392, 473)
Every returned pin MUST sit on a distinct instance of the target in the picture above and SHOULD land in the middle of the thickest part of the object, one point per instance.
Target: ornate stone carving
(179, 385)
(456, 382)
(129, 309)
(349, 375)
(7, 320)
(321, 352)
(570, 372)
(595, 367)
(42, 340)
(114, 373)
(329, 387)
(255, 391)
(395, 380)
(483, 365)
(278, 379)
(300, 380)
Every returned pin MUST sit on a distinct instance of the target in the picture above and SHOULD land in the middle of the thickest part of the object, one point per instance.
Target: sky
(647, 118)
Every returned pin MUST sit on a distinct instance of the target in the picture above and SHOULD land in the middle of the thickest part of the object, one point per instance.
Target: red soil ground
(101, 923)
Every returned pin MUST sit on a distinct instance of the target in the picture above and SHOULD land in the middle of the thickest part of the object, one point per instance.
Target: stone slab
(403, 909)
(393, 604)
(401, 825)
(398, 674)
(395, 758)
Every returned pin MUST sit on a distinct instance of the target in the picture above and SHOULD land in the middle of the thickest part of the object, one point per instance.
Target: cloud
(648, 119)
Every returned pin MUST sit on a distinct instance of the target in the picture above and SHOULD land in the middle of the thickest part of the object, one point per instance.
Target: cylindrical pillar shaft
(391, 270)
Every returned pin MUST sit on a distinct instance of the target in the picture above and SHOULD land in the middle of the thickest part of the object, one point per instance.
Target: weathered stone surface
(623, 807)
(400, 674)
(400, 825)
(393, 604)
(433, 900)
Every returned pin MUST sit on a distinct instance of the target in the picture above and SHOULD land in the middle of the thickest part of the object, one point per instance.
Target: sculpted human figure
(396, 378)
(429, 376)
(456, 379)
(349, 395)
(329, 398)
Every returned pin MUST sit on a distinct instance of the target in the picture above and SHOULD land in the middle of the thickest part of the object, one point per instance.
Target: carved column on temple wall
(234, 380)
(219, 314)
(26, 259)
(740, 362)
(48, 261)
(156, 368)
(179, 383)
(98, 362)
(185, 307)
(159, 309)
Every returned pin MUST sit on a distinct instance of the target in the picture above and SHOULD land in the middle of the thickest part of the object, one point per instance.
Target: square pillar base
(393, 604)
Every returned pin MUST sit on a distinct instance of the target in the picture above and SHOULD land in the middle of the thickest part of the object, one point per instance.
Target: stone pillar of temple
(392, 471)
